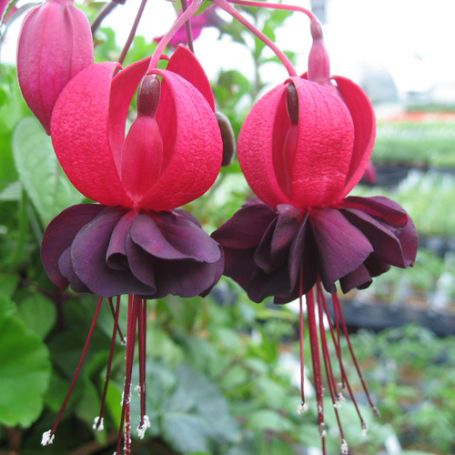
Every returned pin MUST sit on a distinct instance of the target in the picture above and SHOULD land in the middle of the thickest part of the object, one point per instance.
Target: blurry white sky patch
(410, 39)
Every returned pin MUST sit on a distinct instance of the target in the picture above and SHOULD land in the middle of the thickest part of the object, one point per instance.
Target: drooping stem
(186, 15)
(188, 28)
(105, 11)
(99, 420)
(280, 6)
(50, 435)
(132, 33)
(224, 4)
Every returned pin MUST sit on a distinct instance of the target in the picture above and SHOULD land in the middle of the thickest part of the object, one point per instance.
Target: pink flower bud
(54, 45)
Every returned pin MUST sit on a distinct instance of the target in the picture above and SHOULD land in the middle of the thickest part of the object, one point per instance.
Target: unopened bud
(55, 44)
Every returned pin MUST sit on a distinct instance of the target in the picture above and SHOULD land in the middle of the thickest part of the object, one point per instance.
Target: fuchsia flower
(135, 241)
(55, 43)
(302, 148)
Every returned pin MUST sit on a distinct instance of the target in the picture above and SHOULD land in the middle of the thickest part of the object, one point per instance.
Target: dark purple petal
(184, 278)
(375, 265)
(88, 256)
(342, 247)
(188, 238)
(239, 265)
(141, 264)
(379, 207)
(60, 233)
(359, 278)
(385, 243)
(66, 269)
(303, 256)
(263, 285)
(409, 242)
(246, 227)
(274, 246)
(116, 251)
(172, 237)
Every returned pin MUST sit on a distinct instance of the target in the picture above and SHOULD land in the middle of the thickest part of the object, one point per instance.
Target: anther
(302, 408)
(47, 438)
(149, 95)
(98, 424)
(344, 448)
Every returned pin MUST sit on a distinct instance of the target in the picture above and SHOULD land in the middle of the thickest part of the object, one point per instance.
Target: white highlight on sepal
(47, 438)
(141, 429)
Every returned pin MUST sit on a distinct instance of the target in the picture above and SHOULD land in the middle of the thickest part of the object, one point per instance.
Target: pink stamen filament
(186, 15)
(328, 365)
(345, 382)
(132, 33)
(115, 330)
(315, 356)
(78, 367)
(336, 304)
(301, 345)
(125, 420)
(119, 330)
(224, 4)
(142, 329)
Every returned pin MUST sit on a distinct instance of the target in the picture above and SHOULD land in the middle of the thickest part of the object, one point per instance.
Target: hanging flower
(302, 149)
(135, 241)
(55, 44)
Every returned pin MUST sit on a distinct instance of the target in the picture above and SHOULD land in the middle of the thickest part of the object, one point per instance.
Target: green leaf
(40, 172)
(7, 307)
(38, 313)
(186, 433)
(24, 371)
(8, 284)
(268, 420)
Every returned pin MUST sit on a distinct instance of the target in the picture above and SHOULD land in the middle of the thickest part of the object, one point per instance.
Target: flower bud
(55, 44)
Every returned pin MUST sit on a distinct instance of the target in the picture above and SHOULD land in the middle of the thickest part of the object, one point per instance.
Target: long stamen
(125, 420)
(329, 373)
(142, 329)
(119, 330)
(98, 424)
(224, 4)
(336, 304)
(132, 33)
(303, 406)
(337, 344)
(316, 360)
(49, 436)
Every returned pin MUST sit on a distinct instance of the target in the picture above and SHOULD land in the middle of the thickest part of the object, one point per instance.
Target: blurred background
(223, 372)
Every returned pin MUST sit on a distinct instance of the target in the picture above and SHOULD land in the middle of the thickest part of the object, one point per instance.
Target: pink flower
(55, 44)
